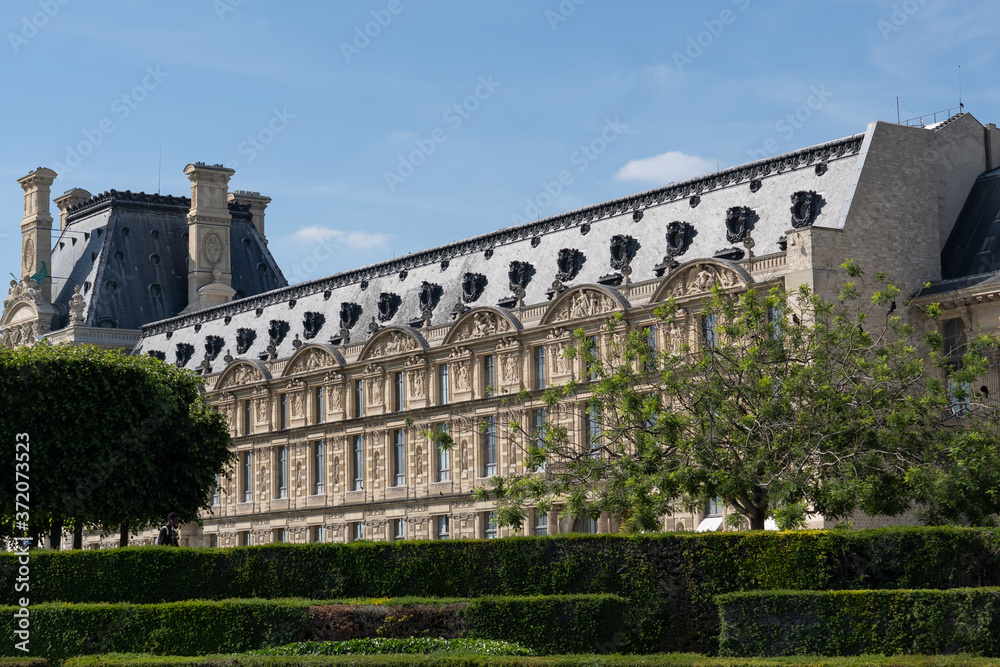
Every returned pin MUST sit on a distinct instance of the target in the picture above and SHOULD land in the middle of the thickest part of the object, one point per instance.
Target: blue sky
(382, 127)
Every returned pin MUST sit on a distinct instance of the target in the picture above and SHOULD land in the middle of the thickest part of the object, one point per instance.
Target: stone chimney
(257, 204)
(68, 199)
(210, 278)
(36, 228)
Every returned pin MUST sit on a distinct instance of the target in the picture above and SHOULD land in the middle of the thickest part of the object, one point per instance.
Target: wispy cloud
(351, 239)
(665, 168)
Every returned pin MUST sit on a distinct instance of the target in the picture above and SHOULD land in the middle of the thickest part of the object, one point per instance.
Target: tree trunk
(55, 534)
(78, 535)
(757, 521)
(123, 538)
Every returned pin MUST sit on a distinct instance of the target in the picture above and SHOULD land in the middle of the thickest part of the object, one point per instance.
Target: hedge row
(559, 624)
(673, 578)
(446, 660)
(842, 623)
(23, 662)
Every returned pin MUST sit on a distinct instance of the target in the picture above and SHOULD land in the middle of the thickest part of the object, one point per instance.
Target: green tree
(115, 442)
(787, 402)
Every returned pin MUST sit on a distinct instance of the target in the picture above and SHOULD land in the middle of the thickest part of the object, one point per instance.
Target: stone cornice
(128, 199)
(727, 177)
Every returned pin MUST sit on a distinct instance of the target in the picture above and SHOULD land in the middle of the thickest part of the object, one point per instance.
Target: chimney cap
(199, 166)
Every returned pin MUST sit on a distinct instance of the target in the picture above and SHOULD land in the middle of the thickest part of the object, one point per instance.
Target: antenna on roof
(960, 105)
(159, 169)
(897, 110)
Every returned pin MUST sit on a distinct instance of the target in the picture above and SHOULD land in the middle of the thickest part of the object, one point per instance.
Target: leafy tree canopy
(112, 439)
(777, 403)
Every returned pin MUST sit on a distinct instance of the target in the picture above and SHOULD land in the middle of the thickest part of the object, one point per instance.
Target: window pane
(441, 525)
(541, 523)
(489, 379)
(319, 471)
(318, 406)
(443, 457)
(399, 458)
(540, 367)
(443, 384)
(357, 463)
(283, 472)
(489, 447)
(489, 525)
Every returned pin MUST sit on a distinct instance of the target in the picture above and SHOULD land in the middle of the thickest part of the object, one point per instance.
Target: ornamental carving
(417, 376)
(391, 343)
(76, 307)
(739, 222)
(388, 304)
(241, 375)
(212, 247)
(277, 331)
(473, 285)
(569, 263)
(583, 303)
(26, 289)
(460, 360)
(296, 397)
(805, 208)
(482, 324)
(312, 323)
(700, 278)
(15, 335)
(519, 274)
(311, 360)
(510, 366)
(556, 343)
(28, 255)
(244, 339)
(349, 314)
(678, 237)
(430, 295)
(623, 249)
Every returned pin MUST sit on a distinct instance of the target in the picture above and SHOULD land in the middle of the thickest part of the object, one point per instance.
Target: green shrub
(23, 662)
(380, 646)
(838, 623)
(465, 660)
(59, 630)
(551, 624)
(671, 579)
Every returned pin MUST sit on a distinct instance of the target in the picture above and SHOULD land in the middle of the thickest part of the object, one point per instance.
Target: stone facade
(330, 386)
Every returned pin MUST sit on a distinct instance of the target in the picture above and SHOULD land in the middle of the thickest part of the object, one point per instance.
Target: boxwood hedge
(556, 624)
(840, 623)
(672, 579)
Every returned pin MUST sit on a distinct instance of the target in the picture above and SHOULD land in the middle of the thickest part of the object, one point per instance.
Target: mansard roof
(128, 252)
(973, 247)
(603, 244)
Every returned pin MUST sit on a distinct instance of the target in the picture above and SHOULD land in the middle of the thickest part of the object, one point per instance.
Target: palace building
(329, 386)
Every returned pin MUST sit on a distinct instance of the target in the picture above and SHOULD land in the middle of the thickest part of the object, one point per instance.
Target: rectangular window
(399, 529)
(959, 397)
(441, 527)
(215, 490)
(714, 507)
(245, 539)
(213, 541)
(774, 318)
(319, 407)
(539, 363)
(489, 525)
(318, 534)
(283, 410)
(489, 446)
(247, 477)
(708, 330)
(282, 466)
(541, 523)
(489, 375)
(590, 358)
(399, 399)
(442, 377)
(248, 417)
(357, 531)
(649, 334)
(358, 463)
(279, 535)
(399, 457)
(538, 419)
(359, 398)
(443, 456)
(592, 430)
(319, 471)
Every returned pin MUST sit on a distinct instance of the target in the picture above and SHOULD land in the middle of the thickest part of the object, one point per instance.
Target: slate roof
(973, 247)
(128, 251)
(312, 310)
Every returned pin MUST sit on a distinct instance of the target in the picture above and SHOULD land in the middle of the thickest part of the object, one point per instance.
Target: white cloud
(665, 168)
(350, 239)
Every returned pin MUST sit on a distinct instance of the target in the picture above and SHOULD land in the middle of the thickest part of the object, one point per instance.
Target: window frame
(319, 468)
(489, 446)
(399, 457)
(358, 463)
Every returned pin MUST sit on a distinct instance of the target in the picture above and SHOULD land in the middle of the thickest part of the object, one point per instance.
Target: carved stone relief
(312, 360)
(584, 303)
(700, 278)
(244, 374)
(481, 325)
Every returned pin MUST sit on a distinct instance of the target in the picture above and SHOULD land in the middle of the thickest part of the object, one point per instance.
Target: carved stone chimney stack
(36, 228)
(209, 267)
(257, 204)
(68, 199)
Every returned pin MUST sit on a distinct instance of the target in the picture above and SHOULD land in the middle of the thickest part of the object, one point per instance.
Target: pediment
(311, 358)
(241, 373)
(482, 323)
(696, 279)
(583, 302)
(391, 341)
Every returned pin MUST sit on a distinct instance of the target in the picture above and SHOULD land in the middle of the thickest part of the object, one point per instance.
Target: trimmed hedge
(446, 660)
(672, 578)
(23, 662)
(199, 627)
(841, 623)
